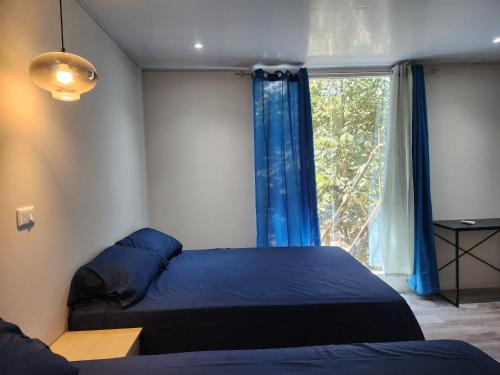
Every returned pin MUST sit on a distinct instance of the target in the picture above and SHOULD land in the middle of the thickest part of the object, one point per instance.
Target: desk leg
(457, 269)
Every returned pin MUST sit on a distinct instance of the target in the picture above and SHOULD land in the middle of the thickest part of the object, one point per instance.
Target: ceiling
(160, 34)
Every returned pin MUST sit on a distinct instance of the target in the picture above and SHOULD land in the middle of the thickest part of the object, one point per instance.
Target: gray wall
(200, 162)
(81, 164)
(464, 133)
(199, 142)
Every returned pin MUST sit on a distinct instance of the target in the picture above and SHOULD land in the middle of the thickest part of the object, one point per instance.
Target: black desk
(457, 227)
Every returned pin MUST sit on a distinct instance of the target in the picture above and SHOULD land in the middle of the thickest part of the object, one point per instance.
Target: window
(349, 121)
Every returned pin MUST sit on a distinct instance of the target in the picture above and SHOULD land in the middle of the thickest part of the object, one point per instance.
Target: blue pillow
(20, 355)
(119, 272)
(151, 239)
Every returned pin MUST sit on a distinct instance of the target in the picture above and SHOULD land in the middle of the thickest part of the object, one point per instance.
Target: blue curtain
(285, 182)
(425, 278)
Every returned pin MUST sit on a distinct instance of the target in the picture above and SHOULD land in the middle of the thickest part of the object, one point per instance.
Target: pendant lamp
(64, 74)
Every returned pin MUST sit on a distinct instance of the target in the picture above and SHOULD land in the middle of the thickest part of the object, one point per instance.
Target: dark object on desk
(395, 358)
(259, 298)
(458, 226)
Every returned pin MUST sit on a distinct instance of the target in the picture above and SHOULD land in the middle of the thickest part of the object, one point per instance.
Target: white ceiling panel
(160, 34)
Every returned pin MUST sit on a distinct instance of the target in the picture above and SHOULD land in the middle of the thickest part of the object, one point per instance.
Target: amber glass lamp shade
(64, 74)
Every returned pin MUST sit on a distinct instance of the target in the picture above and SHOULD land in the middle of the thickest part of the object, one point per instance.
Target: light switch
(25, 218)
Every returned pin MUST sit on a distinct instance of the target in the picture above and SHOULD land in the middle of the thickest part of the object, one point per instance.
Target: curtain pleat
(284, 161)
(397, 211)
(425, 278)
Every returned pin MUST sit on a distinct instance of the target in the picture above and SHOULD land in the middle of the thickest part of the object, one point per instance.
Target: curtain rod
(342, 72)
(313, 74)
(349, 73)
(246, 74)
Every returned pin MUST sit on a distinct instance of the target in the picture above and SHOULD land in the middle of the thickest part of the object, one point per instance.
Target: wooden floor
(475, 322)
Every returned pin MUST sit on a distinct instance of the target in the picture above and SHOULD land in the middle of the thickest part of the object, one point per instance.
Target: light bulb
(64, 75)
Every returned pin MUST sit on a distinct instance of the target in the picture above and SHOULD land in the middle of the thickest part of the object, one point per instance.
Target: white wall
(199, 150)
(199, 142)
(81, 164)
(464, 133)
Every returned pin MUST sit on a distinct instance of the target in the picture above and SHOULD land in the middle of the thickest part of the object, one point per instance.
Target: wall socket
(25, 218)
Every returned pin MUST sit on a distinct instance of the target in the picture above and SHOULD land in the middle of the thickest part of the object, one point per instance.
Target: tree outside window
(349, 121)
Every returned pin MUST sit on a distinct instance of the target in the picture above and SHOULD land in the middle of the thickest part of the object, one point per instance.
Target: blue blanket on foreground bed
(259, 298)
(408, 358)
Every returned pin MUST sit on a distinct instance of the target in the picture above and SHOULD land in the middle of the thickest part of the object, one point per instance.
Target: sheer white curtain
(397, 212)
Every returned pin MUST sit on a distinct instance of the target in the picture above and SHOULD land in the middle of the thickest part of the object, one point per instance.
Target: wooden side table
(99, 344)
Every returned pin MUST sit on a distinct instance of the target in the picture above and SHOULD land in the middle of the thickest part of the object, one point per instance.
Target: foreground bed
(409, 358)
(259, 298)
(20, 354)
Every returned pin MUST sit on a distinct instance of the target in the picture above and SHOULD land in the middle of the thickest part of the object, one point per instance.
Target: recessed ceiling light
(198, 46)
(496, 40)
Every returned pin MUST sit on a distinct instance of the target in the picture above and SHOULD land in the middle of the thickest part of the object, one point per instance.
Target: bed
(258, 298)
(409, 358)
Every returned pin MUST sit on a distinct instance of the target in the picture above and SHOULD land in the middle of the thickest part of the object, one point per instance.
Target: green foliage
(349, 122)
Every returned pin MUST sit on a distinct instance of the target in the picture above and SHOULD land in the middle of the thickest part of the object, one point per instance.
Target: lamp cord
(62, 29)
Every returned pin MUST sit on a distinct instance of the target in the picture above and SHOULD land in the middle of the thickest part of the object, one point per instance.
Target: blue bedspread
(401, 358)
(260, 298)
